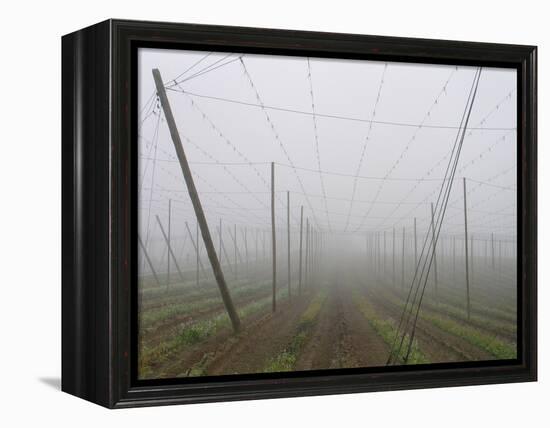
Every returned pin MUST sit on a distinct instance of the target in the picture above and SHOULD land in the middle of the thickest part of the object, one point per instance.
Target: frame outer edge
(111, 387)
(85, 214)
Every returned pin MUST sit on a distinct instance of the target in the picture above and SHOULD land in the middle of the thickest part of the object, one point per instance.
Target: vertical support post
(385, 252)
(198, 253)
(415, 246)
(393, 254)
(273, 239)
(246, 252)
(454, 257)
(301, 238)
(379, 258)
(256, 248)
(307, 253)
(472, 257)
(288, 241)
(466, 250)
(195, 246)
(194, 196)
(493, 250)
(169, 243)
(403, 262)
(223, 250)
(220, 252)
(500, 255)
(235, 251)
(434, 250)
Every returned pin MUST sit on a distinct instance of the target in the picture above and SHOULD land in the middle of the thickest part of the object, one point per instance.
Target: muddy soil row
(342, 337)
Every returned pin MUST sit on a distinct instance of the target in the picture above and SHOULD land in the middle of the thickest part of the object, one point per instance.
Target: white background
(30, 190)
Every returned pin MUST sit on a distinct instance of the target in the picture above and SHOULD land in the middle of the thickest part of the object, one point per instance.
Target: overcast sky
(387, 155)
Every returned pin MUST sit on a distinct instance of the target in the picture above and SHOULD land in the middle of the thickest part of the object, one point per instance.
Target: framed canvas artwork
(253, 213)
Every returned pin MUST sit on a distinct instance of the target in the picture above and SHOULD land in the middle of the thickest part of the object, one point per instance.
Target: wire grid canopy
(361, 145)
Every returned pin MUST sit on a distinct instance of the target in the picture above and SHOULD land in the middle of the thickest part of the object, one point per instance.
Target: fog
(362, 146)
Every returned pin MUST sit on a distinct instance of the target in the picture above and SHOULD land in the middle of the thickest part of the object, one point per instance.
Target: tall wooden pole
(472, 257)
(235, 250)
(454, 257)
(194, 196)
(393, 257)
(300, 261)
(195, 246)
(256, 247)
(273, 239)
(415, 246)
(288, 241)
(385, 252)
(493, 250)
(198, 253)
(224, 251)
(220, 232)
(434, 250)
(307, 254)
(403, 262)
(500, 252)
(170, 252)
(246, 252)
(169, 242)
(466, 250)
(379, 263)
(149, 262)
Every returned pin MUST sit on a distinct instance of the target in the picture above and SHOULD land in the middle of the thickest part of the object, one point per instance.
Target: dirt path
(253, 348)
(342, 337)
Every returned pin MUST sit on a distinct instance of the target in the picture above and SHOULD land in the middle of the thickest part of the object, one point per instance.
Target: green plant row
(483, 322)
(489, 343)
(286, 359)
(387, 330)
(150, 317)
(193, 333)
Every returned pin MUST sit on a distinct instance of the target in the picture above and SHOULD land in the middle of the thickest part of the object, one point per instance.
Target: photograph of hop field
(300, 214)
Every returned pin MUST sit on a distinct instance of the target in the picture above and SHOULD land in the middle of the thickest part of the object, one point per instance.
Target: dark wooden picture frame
(98, 240)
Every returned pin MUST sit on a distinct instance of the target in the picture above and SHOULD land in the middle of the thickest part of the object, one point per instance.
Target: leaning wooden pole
(170, 252)
(273, 241)
(195, 200)
(466, 251)
(149, 262)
